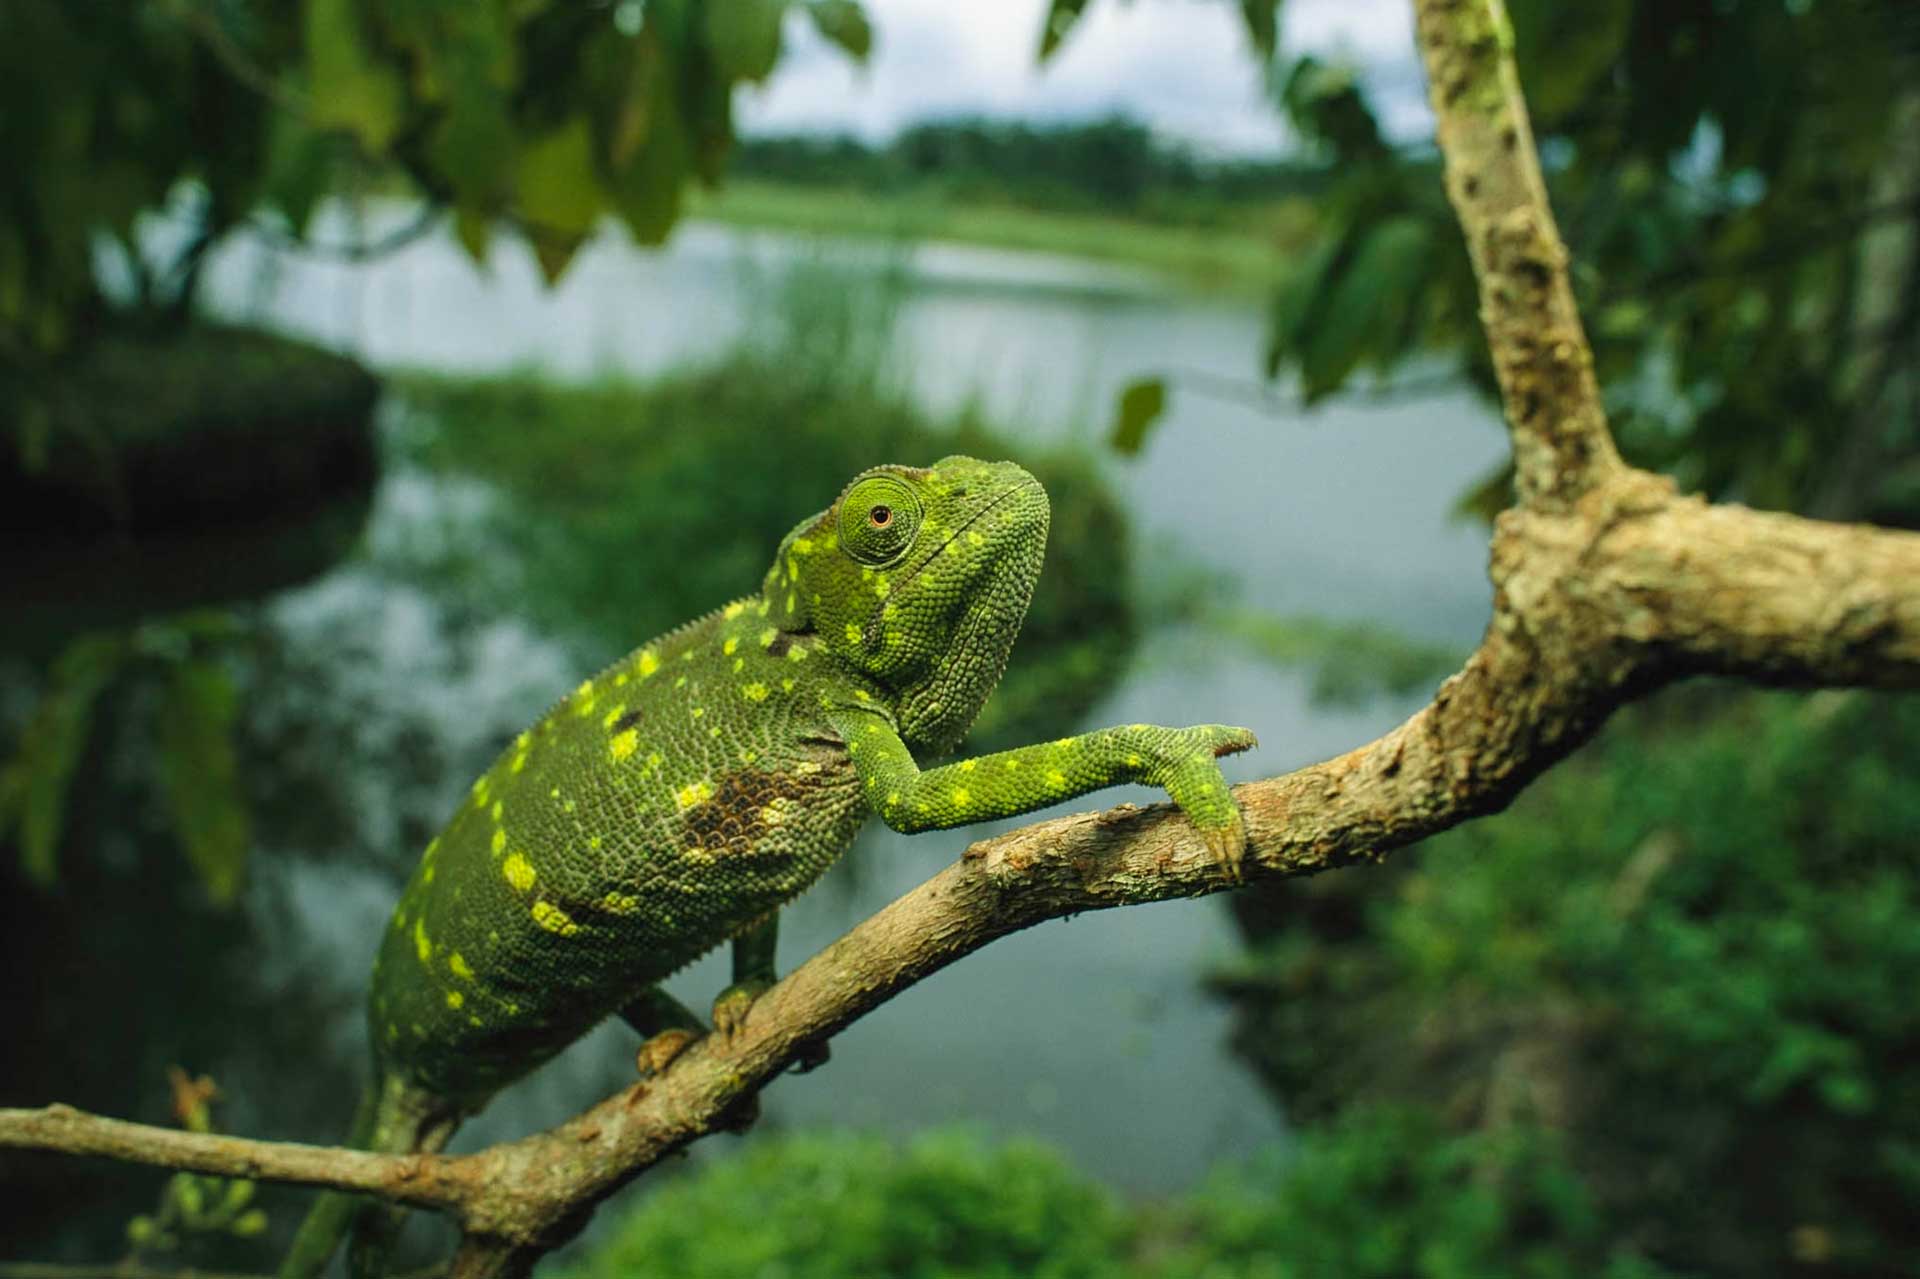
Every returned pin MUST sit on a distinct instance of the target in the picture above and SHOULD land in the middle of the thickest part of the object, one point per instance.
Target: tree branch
(1607, 586)
(1540, 353)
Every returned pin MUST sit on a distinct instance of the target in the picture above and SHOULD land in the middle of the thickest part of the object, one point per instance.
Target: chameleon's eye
(878, 519)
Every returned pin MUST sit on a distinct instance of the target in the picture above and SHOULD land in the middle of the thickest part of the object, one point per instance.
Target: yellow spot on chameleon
(519, 872)
(608, 720)
(421, 946)
(694, 793)
(459, 965)
(519, 761)
(480, 791)
(739, 664)
(790, 601)
(620, 903)
(787, 685)
(890, 612)
(474, 1021)
(523, 741)
(498, 808)
(1133, 761)
(624, 744)
(880, 588)
(734, 609)
(968, 765)
(853, 633)
(961, 795)
(654, 760)
(648, 663)
(803, 546)
(754, 692)
(768, 636)
(585, 694)
(893, 799)
(1056, 779)
(594, 842)
(455, 999)
(974, 538)
(553, 919)
(862, 694)
(761, 607)
(698, 711)
(733, 642)
(798, 653)
(428, 877)
(620, 680)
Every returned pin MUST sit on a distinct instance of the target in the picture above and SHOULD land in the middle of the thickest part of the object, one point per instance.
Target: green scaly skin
(677, 799)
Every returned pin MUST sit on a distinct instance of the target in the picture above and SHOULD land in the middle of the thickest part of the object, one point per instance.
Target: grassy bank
(1243, 255)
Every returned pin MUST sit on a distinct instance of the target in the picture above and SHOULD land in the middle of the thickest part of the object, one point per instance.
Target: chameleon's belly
(642, 822)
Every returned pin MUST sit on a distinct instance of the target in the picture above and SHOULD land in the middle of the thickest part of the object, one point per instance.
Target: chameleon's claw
(813, 1054)
(730, 1009)
(658, 1052)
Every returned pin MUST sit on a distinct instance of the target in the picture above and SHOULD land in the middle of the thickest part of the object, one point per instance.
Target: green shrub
(947, 1205)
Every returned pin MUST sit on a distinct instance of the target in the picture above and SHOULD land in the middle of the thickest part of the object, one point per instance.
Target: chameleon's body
(679, 798)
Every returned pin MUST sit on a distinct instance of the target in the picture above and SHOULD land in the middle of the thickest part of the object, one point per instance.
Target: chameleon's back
(680, 794)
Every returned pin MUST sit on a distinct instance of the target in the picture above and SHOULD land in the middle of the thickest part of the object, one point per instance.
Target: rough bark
(1607, 585)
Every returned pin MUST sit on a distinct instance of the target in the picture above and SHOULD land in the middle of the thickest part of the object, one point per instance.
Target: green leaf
(844, 23)
(647, 190)
(299, 167)
(1263, 25)
(1140, 406)
(346, 88)
(200, 776)
(1061, 17)
(744, 37)
(474, 229)
(34, 783)
(560, 192)
(1362, 311)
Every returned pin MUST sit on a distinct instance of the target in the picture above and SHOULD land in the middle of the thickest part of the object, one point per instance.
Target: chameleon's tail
(393, 1117)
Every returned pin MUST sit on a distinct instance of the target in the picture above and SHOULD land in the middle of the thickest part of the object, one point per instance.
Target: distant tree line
(1112, 165)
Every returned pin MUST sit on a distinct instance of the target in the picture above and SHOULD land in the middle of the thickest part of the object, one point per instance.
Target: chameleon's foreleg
(666, 1025)
(1006, 784)
(753, 974)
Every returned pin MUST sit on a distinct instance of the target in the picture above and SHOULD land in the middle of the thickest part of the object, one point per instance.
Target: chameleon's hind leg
(753, 975)
(666, 1024)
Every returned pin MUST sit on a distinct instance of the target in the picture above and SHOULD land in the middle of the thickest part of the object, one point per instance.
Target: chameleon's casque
(677, 799)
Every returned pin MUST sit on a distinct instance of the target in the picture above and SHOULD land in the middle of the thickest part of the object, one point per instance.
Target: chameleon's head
(919, 579)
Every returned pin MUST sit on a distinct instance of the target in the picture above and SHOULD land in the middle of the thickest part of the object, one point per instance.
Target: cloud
(1183, 67)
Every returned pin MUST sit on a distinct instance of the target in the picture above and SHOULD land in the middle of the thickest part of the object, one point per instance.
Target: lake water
(1092, 1033)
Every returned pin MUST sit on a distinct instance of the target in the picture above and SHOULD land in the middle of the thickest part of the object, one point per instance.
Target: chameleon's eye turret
(878, 520)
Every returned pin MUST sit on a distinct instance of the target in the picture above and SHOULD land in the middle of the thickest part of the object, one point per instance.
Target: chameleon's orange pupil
(881, 516)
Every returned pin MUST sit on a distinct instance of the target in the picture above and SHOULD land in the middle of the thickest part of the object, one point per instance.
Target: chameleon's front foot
(731, 1007)
(659, 1051)
(1194, 781)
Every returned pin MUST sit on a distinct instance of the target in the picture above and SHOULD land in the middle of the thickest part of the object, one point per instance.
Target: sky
(1183, 67)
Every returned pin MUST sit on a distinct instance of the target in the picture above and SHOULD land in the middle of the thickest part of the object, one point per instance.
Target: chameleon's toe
(734, 1003)
(658, 1052)
(1228, 844)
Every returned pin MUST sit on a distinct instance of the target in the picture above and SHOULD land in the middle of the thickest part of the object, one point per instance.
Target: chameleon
(677, 799)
